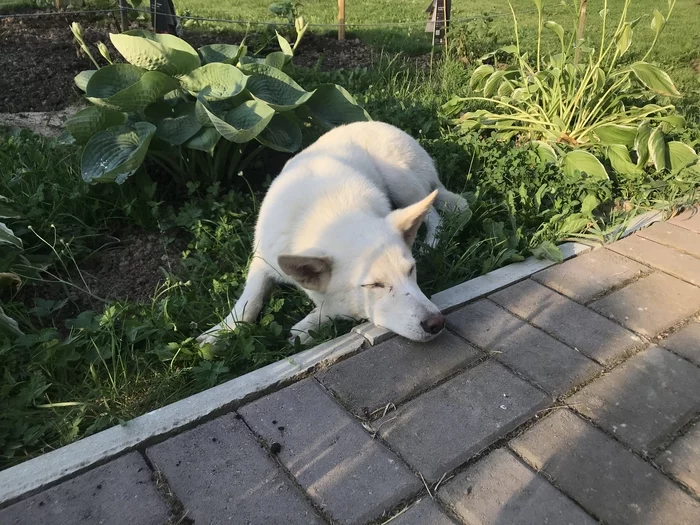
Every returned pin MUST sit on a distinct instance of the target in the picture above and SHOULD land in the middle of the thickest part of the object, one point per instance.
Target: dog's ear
(408, 220)
(312, 273)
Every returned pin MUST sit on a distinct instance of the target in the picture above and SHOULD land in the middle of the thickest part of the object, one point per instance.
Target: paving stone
(576, 325)
(441, 429)
(689, 219)
(346, 472)
(222, 475)
(425, 512)
(666, 259)
(590, 275)
(118, 492)
(674, 236)
(395, 370)
(644, 400)
(682, 459)
(499, 489)
(652, 304)
(538, 356)
(686, 341)
(603, 476)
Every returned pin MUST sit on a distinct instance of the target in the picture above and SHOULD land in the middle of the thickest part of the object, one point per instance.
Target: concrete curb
(39, 473)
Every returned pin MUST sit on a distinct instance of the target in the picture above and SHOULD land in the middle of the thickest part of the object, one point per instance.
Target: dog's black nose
(433, 324)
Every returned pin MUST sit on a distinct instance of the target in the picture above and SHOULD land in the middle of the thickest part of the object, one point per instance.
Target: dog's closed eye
(412, 270)
(374, 285)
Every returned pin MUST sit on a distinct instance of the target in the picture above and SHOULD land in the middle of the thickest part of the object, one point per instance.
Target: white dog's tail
(448, 201)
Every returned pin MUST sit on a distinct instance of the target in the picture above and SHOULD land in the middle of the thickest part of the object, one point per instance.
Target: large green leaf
(284, 45)
(281, 134)
(8, 324)
(156, 52)
(641, 144)
(584, 162)
(123, 87)
(6, 211)
(175, 125)
(658, 150)
(226, 53)
(204, 140)
(275, 88)
(216, 81)
(655, 79)
(491, 84)
(276, 59)
(619, 158)
(624, 39)
(479, 76)
(332, 106)
(86, 122)
(116, 153)
(559, 30)
(81, 79)
(682, 156)
(548, 250)
(610, 134)
(243, 123)
(544, 151)
(7, 236)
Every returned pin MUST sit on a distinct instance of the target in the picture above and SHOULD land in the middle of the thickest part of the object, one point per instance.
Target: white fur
(332, 205)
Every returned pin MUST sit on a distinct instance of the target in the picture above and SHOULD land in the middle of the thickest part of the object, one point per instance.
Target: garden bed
(39, 59)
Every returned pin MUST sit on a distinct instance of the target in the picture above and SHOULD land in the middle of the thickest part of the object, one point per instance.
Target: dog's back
(364, 167)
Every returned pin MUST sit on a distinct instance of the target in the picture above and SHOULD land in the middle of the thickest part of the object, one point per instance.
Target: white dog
(326, 225)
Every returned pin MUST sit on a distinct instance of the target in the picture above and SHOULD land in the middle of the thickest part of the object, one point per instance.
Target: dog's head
(366, 270)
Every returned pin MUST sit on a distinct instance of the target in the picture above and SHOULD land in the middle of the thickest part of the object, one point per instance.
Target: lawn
(112, 283)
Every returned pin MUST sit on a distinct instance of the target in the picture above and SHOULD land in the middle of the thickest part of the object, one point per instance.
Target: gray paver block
(686, 341)
(674, 236)
(347, 473)
(643, 400)
(395, 370)
(443, 428)
(499, 489)
(118, 492)
(666, 259)
(584, 330)
(603, 476)
(689, 219)
(221, 474)
(652, 304)
(590, 275)
(682, 459)
(424, 512)
(535, 354)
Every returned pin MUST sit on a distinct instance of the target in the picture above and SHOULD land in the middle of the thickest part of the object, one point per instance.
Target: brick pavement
(571, 397)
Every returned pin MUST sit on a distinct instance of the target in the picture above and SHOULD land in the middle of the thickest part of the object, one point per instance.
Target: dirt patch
(132, 268)
(39, 61)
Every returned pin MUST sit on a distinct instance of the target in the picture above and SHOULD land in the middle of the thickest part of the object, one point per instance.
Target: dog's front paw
(304, 338)
(207, 337)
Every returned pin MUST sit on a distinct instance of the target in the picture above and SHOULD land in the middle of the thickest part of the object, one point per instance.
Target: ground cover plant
(103, 287)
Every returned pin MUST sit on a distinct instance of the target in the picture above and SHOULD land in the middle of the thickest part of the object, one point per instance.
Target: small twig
(426, 486)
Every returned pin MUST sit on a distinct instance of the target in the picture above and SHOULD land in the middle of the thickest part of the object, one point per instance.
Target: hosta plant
(584, 101)
(193, 112)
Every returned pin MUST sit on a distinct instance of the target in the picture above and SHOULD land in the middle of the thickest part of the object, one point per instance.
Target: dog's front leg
(248, 305)
(314, 321)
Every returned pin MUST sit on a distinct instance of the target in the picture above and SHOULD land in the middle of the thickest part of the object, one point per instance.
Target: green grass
(84, 365)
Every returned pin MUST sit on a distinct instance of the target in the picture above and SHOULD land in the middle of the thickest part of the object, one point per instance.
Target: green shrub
(584, 98)
(199, 115)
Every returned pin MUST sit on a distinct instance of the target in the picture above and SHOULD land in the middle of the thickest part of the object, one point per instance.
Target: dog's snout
(433, 324)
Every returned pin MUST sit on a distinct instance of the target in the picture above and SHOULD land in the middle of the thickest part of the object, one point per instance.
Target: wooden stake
(341, 19)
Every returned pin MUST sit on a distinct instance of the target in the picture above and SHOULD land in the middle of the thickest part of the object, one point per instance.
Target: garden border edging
(53, 467)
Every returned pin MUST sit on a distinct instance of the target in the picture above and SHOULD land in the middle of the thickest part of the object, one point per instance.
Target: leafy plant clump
(584, 98)
(199, 115)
